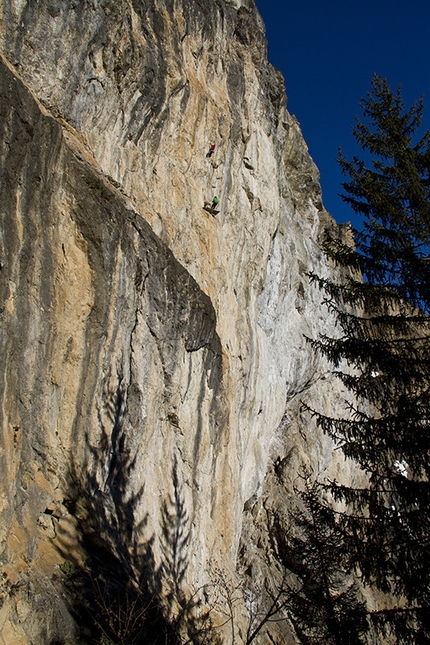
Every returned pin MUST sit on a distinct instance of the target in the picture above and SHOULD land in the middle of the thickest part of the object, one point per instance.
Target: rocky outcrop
(152, 351)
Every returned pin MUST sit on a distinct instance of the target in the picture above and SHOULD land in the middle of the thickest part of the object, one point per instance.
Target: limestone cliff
(153, 353)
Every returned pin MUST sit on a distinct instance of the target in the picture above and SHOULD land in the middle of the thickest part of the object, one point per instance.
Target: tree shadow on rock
(116, 590)
(191, 620)
(110, 571)
(175, 536)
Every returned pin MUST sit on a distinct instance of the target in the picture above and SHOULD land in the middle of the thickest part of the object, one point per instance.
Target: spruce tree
(393, 195)
(324, 607)
(382, 355)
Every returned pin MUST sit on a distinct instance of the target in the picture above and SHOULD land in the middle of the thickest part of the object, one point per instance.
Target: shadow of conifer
(192, 621)
(117, 592)
(175, 536)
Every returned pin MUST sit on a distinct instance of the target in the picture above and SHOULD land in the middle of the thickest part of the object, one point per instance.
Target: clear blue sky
(328, 51)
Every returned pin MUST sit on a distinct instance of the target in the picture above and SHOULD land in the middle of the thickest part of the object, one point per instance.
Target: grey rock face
(149, 348)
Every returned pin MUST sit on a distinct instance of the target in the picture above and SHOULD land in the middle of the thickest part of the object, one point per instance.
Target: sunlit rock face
(152, 350)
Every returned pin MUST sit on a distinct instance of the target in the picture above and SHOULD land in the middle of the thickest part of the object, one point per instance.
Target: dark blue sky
(328, 51)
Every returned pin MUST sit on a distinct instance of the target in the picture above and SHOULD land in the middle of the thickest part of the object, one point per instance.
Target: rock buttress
(153, 349)
(111, 369)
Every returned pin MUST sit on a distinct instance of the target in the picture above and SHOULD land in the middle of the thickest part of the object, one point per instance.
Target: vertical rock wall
(150, 349)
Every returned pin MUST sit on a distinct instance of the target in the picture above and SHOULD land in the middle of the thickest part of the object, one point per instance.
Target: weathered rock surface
(150, 349)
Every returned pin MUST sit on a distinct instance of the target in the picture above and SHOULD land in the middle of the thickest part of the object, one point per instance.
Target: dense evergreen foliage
(382, 356)
(324, 607)
(393, 195)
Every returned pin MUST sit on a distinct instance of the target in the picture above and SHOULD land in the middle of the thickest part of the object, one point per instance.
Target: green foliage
(382, 355)
(325, 607)
(393, 195)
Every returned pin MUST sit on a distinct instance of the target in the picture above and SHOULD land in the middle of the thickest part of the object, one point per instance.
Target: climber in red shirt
(211, 150)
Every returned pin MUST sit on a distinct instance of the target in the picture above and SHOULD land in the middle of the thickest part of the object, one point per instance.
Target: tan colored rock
(152, 351)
